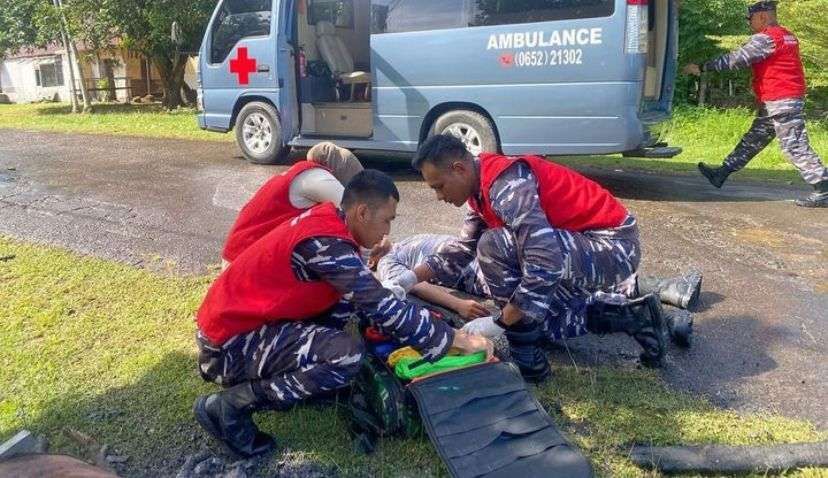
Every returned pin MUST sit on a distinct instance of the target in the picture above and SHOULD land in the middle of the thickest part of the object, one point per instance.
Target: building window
(49, 75)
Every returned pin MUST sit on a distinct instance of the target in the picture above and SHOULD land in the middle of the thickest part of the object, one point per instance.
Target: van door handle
(263, 69)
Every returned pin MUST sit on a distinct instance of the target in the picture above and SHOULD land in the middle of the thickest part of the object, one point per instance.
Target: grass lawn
(129, 120)
(107, 350)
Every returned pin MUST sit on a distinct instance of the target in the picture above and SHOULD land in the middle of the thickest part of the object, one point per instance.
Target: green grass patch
(150, 121)
(108, 350)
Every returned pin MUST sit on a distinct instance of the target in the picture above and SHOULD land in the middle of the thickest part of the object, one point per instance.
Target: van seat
(338, 58)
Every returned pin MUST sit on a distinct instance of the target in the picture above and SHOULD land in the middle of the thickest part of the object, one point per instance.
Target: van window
(339, 12)
(499, 12)
(396, 16)
(238, 19)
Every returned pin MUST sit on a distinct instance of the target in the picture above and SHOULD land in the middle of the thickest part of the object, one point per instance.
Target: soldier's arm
(454, 256)
(338, 263)
(758, 48)
(515, 200)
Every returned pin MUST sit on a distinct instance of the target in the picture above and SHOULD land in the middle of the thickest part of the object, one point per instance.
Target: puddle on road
(6, 178)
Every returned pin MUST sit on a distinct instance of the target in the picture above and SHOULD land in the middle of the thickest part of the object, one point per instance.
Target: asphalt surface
(760, 334)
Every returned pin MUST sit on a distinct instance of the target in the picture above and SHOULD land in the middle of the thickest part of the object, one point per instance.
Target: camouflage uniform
(784, 118)
(297, 360)
(550, 274)
(413, 251)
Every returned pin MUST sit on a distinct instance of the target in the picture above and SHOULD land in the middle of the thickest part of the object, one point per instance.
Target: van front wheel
(471, 127)
(259, 133)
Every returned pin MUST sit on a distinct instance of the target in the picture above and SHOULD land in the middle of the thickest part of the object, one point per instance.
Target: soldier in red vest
(558, 252)
(779, 85)
(270, 329)
(321, 178)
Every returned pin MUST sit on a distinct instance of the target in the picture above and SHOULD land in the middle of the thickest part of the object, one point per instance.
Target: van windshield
(394, 16)
(235, 20)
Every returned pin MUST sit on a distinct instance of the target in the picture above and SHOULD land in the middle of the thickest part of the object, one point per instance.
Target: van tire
(476, 128)
(264, 119)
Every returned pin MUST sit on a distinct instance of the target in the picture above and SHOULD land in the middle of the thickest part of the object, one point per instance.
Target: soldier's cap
(763, 6)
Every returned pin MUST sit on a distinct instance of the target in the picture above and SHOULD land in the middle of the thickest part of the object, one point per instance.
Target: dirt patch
(760, 237)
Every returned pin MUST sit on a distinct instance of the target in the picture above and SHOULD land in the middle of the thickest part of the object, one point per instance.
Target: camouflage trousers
(293, 361)
(593, 266)
(783, 119)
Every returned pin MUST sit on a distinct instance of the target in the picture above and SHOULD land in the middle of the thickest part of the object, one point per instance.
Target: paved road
(167, 204)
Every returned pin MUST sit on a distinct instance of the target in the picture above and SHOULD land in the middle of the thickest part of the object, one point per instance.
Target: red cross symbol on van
(243, 66)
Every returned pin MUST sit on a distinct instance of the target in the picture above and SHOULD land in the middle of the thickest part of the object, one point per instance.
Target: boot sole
(709, 177)
(681, 332)
(812, 205)
(660, 329)
(696, 280)
(203, 419)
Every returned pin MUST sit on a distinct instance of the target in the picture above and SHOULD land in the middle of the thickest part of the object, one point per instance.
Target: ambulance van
(550, 77)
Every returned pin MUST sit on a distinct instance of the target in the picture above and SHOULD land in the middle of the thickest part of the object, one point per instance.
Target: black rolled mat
(483, 421)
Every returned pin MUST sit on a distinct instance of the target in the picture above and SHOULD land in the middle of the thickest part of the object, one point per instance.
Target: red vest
(260, 286)
(570, 201)
(781, 75)
(268, 208)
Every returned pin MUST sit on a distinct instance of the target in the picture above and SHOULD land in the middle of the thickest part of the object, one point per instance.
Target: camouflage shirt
(514, 197)
(338, 263)
(758, 48)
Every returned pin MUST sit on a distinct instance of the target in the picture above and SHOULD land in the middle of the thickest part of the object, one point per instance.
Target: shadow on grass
(103, 109)
(151, 422)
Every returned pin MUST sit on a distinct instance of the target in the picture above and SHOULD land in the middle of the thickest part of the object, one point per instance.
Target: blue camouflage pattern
(550, 275)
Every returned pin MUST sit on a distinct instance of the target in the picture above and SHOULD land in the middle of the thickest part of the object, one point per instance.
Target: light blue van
(519, 76)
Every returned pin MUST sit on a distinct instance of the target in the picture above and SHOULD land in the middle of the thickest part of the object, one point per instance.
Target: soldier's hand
(471, 344)
(692, 69)
(471, 309)
(379, 251)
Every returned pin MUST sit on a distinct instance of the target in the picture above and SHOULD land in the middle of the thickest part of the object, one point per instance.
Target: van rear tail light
(637, 24)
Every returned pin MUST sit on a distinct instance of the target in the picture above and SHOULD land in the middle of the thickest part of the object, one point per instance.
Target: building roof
(51, 49)
(29, 52)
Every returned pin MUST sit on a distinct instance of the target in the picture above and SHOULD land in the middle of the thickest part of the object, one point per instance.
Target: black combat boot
(525, 345)
(680, 326)
(642, 319)
(227, 416)
(682, 291)
(716, 176)
(818, 198)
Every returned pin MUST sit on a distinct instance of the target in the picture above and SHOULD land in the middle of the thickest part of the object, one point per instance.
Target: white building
(36, 74)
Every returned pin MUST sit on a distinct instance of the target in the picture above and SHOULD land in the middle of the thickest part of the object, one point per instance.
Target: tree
(700, 22)
(803, 18)
(16, 27)
(145, 26)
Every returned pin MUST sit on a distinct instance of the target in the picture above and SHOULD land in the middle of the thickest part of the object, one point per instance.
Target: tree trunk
(65, 40)
(87, 103)
(172, 77)
(75, 59)
(702, 90)
(109, 73)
